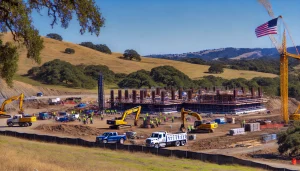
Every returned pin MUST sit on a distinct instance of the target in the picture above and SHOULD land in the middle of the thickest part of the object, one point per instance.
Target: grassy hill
(54, 49)
(18, 154)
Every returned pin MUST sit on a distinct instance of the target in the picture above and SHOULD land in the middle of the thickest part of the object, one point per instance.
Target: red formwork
(267, 126)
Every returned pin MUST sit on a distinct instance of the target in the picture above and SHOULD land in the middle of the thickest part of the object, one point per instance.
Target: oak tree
(15, 17)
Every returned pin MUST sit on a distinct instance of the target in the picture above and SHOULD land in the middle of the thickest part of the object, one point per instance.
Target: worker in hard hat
(165, 119)
(91, 120)
(147, 114)
(172, 119)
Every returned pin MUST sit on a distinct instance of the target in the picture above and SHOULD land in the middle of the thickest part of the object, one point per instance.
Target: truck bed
(28, 119)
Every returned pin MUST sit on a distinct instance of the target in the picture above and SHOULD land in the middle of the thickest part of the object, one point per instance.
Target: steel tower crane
(283, 65)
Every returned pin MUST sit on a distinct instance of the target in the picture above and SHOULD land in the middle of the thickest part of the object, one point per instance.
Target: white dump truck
(163, 139)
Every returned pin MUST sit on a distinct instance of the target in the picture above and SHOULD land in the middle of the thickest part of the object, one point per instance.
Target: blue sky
(178, 26)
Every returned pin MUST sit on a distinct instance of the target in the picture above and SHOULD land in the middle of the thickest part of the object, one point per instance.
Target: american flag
(269, 27)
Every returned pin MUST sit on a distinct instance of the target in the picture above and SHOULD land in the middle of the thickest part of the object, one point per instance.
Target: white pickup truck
(163, 139)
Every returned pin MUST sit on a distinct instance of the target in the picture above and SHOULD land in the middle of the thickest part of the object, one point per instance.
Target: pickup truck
(111, 137)
(163, 139)
(21, 120)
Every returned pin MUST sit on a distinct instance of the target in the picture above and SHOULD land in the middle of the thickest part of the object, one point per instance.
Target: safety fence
(268, 126)
(213, 158)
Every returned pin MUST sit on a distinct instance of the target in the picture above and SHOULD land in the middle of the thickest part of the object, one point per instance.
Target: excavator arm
(9, 100)
(191, 113)
(121, 120)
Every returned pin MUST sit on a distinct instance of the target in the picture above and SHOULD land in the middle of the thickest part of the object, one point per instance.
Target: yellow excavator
(295, 116)
(199, 125)
(3, 114)
(120, 123)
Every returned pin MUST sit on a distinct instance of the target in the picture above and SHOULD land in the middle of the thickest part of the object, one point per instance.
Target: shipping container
(220, 120)
(251, 127)
(266, 138)
(274, 136)
(237, 131)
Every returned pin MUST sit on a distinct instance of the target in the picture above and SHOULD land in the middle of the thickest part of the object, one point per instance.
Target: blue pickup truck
(111, 137)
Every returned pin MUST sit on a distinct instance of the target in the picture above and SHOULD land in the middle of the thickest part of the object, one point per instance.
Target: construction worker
(144, 118)
(159, 121)
(244, 122)
(80, 111)
(84, 120)
(151, 122)
(101, 117)
(189, 128)
(165, 119)
(147, 114)
(156, 122)
(172, 119)
(91, 120)
(79, 119)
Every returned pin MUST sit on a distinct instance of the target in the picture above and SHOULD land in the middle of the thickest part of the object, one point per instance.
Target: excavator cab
(197, 123)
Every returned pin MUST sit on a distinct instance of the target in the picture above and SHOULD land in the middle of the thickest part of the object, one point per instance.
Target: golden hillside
(54, 49)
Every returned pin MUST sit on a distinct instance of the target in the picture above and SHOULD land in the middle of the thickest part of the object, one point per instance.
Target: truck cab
(21, 120)
(111, 137)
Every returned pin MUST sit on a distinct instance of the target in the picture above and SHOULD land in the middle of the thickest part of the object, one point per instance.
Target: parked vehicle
(21, 120)
(44, 116)
(54, 101)
(111, 137)
(63, 119)
(80, 105)
(40, 94)
(163, 139)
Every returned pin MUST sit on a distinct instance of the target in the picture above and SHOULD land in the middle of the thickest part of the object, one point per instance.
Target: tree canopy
(69, 51)
(137, 79)
(99, 47)
(15, 17)
(131, 54)
(54, 36)
(216, 68)
(59, 72)
(289, 140)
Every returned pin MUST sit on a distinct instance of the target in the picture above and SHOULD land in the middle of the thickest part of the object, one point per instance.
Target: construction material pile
(75, 130)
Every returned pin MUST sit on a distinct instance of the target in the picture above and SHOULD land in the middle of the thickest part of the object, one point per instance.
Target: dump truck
(200, 125)
(119, 122)
(163, 139)
(21, 120)
(111, 137)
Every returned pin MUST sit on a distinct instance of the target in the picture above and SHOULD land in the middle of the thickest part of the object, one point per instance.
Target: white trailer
(163, 139)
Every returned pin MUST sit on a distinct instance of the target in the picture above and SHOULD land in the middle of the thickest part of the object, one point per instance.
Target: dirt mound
(75, 130)
(225, 141)
(274, 105)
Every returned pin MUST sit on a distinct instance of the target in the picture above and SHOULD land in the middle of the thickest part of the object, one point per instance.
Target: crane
(282, 49)
(3, 114)
(199, 125)
(119, 122)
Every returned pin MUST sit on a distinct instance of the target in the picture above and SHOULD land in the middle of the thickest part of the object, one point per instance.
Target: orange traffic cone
(294, 161)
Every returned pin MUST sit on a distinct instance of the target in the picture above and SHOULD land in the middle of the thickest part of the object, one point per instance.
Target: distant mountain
(230, 53)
